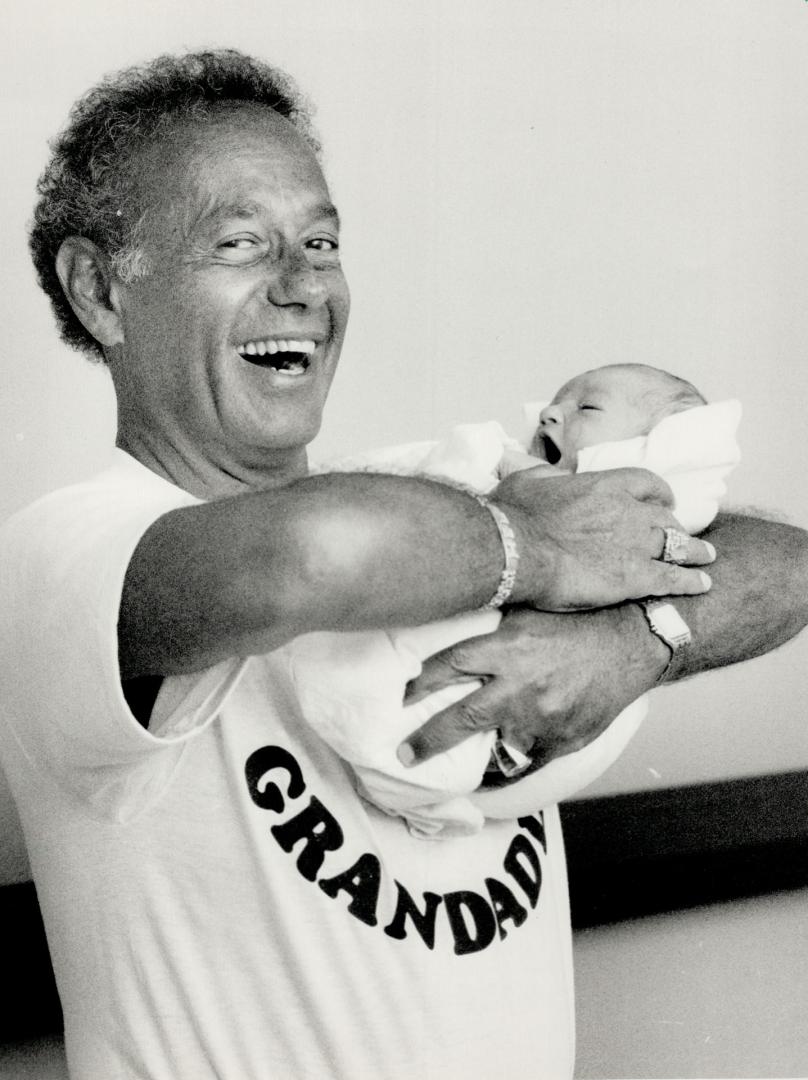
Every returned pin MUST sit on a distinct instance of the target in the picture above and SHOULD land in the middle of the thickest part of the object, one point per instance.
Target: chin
(294, 440)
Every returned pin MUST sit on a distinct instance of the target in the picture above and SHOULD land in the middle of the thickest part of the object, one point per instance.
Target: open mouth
(288, 355)
(548, 449)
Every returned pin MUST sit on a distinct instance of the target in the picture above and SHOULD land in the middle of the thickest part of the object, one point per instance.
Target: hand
(552, 682)
(596, 539)
(517, 461)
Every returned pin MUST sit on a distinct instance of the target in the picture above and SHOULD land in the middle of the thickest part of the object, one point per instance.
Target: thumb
(516, 461)
(644, 486)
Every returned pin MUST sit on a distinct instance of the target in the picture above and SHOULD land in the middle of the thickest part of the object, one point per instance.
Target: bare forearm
(759, 598)
(333, 552)
(354, 551)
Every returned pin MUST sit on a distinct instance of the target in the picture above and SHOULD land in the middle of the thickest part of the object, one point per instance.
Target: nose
(296, 281)
(551, 414)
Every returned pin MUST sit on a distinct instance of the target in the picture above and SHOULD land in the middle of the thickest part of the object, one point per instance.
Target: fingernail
(706, 580)
(710, 548)
(406, 755)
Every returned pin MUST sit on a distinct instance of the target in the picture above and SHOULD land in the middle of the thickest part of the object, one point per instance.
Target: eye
(322, 252)
(244, 248)
(591, 408)
(323, 243)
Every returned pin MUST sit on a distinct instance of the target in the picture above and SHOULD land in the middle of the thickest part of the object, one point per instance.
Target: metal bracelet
(510, 550)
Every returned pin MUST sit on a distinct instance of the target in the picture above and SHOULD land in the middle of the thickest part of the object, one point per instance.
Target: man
(219, 903)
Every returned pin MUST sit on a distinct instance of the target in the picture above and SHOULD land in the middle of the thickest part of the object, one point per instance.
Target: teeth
(276, 345)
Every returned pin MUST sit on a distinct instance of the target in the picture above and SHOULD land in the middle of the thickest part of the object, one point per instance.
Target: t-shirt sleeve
(62, 568)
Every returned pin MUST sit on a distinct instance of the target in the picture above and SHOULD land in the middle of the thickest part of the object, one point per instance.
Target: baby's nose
(551, 414)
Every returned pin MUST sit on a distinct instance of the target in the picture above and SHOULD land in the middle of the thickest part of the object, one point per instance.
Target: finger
(668, 579)
(515, 461)
(438, 671)
(694, 552)
(644, 486)
(451, 726)
(465, 661)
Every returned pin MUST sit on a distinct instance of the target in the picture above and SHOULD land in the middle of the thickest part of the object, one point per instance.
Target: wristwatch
(665, 621)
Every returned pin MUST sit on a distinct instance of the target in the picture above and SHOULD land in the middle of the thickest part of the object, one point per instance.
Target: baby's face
(598, 406)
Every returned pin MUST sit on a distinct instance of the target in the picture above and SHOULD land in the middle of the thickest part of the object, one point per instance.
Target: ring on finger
(510, 761)
(676, 547)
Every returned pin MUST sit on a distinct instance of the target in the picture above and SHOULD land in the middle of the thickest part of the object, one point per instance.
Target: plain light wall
(528, 189)
(719, 992)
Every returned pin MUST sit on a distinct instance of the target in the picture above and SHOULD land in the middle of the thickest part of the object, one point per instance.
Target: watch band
(665, 621)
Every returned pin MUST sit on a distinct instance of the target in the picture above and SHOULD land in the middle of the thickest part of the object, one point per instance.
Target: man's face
(599, 406)
(230, 343)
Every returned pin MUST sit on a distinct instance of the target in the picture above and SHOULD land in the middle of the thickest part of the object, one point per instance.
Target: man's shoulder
(123, 483)
(84, 522)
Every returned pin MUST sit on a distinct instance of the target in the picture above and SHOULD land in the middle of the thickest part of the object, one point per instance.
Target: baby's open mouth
(288, 355)
(548, 449)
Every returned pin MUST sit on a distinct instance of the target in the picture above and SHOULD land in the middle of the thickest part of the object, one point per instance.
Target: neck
(209, 479)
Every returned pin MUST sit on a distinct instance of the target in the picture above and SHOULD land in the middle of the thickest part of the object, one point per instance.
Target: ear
(91, 288)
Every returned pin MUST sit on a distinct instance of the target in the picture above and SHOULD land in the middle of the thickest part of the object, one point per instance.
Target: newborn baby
(611, 403)
(351, 685)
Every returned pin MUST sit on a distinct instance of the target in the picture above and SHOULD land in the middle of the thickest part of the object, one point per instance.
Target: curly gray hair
(87, 179)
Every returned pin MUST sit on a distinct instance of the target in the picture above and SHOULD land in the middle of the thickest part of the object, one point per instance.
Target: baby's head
(615, 402)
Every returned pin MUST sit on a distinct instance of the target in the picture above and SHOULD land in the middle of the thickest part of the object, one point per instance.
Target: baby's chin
(568, 461)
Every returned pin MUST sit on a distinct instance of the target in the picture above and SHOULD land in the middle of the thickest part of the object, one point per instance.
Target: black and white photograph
(404, 540)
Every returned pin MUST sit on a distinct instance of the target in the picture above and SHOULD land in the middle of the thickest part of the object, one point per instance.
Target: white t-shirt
(218, 900)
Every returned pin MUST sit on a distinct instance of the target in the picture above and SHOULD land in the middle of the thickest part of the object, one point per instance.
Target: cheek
(584, 430)
(192, 298)
(339, 301)
(158, 312)
(574, 428)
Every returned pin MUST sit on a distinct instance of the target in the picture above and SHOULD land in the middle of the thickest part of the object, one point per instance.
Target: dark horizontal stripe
(654, 851)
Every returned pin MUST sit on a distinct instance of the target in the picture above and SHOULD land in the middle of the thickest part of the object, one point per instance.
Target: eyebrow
(246, 210)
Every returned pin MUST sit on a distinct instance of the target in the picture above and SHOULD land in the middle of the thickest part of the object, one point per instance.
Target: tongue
(289, 361)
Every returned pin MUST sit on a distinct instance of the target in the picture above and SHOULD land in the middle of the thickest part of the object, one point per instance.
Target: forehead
(605, 382)
(232, 161)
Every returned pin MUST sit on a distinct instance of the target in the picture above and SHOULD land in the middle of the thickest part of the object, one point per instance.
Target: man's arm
(554, 682)
(760, 599)
(354, 551)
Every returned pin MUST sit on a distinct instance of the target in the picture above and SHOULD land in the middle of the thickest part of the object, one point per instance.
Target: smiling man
(221, 375)
(219, 902)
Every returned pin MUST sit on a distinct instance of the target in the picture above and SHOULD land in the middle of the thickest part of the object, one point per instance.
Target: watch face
(667, 623)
